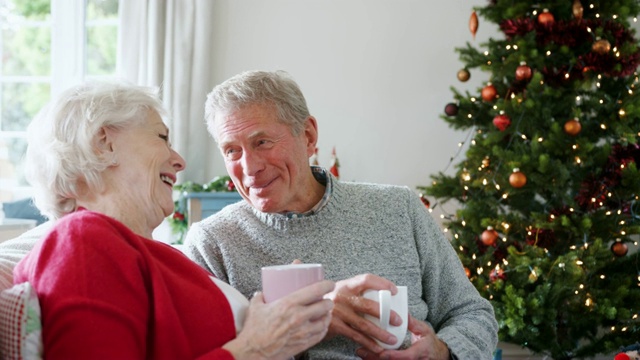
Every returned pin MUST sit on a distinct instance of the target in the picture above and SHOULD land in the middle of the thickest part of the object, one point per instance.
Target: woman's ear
(103, 142)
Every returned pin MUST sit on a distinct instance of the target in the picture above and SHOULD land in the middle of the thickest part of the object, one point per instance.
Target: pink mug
(281, 280)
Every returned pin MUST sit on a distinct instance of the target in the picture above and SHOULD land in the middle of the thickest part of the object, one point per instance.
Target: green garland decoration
(179, 220)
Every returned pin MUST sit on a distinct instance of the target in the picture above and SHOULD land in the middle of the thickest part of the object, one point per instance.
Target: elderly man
(292, 210)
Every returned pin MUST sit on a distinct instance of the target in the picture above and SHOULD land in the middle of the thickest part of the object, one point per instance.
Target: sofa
(20, 329)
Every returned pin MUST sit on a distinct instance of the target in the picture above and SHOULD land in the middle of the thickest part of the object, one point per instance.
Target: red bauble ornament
(601, 46)
(230, 185)
(467, 272)
(545, 17)
(473, 24)
(572, 127)
(489, 92)
(463, 75)
(619, 249)
(523, 72)
(489, 236)
(451, 109)
(497, 274)
(501, 121)
(425, 201)
(517, 179)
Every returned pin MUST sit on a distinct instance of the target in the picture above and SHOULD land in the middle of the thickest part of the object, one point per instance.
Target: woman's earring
(114, 161)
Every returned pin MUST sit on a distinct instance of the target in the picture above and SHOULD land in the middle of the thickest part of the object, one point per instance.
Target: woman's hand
(285, 327)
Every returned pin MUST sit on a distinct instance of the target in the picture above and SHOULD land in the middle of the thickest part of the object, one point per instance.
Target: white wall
(376, 75)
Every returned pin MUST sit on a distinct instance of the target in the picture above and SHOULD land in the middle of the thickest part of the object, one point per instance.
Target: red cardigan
(107, 293)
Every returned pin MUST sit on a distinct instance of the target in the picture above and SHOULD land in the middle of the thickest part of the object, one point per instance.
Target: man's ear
(311, 134)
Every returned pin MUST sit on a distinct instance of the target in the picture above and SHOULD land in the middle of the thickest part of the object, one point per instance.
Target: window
(45, 47)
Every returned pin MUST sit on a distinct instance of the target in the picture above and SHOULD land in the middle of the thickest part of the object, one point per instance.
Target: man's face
(267, 163)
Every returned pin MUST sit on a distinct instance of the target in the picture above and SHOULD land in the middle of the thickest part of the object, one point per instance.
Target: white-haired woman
(102, 164)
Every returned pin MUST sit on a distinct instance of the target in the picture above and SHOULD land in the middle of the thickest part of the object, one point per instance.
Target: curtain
(164, 43)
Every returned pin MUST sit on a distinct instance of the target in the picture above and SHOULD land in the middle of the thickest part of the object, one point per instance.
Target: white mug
(388, 302)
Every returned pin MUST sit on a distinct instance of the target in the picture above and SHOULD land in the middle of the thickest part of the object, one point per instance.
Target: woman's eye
(164, 137)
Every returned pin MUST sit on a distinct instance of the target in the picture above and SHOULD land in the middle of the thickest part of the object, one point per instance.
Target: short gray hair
(61, 139)
(274, 88)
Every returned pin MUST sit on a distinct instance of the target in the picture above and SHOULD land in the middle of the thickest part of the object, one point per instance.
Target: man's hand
(349, 305)
(425, 345)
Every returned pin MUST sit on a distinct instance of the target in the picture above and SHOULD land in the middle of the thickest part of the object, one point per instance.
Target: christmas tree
(546, 196)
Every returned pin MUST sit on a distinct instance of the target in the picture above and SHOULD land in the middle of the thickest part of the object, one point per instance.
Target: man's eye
(231, 153)
(164, 137)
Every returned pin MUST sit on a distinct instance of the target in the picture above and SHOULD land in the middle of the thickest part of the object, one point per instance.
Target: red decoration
(231, 186)
(523, 72)
(501, 121)
(489, 92)
(573, 34)
(451, 109)
(334, 164)
(572, 127)
(517, 179)
(619, 249)
(489, 236)
(463, 75)
(497, 274)
(467, 271)
(546, 18)
(425, 201)
(473, 24)
(178, 216)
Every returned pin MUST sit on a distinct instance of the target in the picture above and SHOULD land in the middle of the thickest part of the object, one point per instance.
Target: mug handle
(384, 299)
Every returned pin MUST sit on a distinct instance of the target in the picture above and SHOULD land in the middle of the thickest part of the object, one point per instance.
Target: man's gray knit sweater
(364, 228)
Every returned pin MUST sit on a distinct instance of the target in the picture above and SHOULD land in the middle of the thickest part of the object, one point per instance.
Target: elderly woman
(101, 162)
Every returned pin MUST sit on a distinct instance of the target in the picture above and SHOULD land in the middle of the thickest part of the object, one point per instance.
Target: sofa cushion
(20, 325)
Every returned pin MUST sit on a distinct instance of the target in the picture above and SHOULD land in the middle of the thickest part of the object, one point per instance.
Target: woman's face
(146, 169)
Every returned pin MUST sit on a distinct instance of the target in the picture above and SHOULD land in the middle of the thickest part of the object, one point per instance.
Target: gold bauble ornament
(577, 9)
(463, 75)
(601, 46)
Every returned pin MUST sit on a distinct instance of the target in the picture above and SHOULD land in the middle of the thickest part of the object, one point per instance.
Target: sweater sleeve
(92, 293)
(203, 250)
(460, 316)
